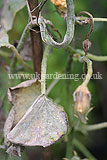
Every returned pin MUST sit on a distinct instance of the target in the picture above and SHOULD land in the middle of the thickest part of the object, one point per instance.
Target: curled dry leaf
(22, 96)
(42, 125)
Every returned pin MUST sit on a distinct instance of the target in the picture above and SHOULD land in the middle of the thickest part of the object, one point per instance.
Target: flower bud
(86, 45)
(82, 98)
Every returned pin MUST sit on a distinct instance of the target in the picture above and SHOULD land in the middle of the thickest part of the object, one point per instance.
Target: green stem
(90, 56)
(95, 19)
(23, 37)
(19, 57)
(70, 20)
(96, 126)
(90, 70)
(43, 70)
(28, 26)
(69, 148)
(100, 19)
(83, 149)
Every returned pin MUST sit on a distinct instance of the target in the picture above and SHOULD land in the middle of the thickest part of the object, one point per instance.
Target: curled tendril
(70, 21)
(45, 35)
(91, 24)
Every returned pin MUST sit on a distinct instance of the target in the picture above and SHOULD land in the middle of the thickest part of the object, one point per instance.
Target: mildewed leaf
(22, 96)
(42, 125)
(9, 10)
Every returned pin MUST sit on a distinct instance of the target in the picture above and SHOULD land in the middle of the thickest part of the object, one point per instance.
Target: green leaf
(9, 10)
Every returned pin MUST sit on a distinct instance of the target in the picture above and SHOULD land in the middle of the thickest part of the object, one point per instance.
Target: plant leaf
(42, 125)
(22, 96)
(9, 10)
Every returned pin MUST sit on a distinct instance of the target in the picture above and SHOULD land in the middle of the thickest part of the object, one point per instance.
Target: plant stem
(69, 148)
(96, 126)
(100, 19)
(23, 37)
(88, 20)
(43, 70)
(19, 57)
(89, 72)
(90, 56)
(83, 149)
(70, 20)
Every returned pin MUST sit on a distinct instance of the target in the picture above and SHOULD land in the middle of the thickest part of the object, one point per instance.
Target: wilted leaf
(9, 10)
(42, 125)
(22, 96)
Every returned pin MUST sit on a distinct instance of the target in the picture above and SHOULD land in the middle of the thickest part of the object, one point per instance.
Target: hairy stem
(43, 70)
(89, 72)
(70, 20)
(23, 37)
(26, 30)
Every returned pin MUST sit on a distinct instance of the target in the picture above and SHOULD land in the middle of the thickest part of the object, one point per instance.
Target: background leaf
(9, 10)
